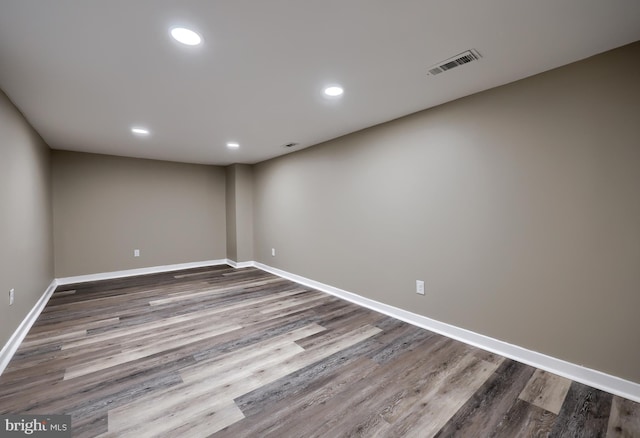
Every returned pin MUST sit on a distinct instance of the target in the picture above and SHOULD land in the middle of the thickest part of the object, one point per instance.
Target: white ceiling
(84, 72)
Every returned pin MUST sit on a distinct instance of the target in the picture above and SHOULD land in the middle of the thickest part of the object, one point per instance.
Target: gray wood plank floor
(229, 352)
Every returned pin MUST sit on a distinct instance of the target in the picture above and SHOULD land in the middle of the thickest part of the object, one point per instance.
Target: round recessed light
(140, 131)
(333, 91)
(233, 145)
(186, 36)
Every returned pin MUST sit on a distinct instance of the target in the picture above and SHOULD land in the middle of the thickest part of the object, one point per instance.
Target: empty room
(319, 219)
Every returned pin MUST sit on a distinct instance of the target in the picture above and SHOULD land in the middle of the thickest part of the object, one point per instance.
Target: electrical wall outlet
(420, 287)
(12, 296)
(273, 252)
(136, 253)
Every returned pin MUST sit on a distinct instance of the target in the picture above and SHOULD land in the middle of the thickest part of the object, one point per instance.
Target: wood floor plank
(90, 427)
(585, 412)
(32, 371)
(385, 409)
(320, 373)
(342, 407)
(396, 347)
(199, 421)
(224, 352)
(65, 292)
(190, 294)
(273, 418)
(546, 390)
(624, 421)
(143, 351)
(99, 391)
(253, 332)
(525, 420)
(483, 412)
(208, 422)
(34, 342)
(218, 387)
(151, 327)
(252, 352)
(86, 323)
(439, 400)
(222, 388)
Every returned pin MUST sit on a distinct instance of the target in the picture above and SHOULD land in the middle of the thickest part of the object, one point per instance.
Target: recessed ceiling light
(233, 145)
(140, 131)
(186, 36)
(333, 91)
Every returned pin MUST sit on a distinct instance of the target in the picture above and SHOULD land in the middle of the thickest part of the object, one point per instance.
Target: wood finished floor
(241, 353)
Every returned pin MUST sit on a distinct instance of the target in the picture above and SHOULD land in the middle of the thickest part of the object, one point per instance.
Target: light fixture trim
(186, 36)
(233, 145)
(333, 91)
(138, 130)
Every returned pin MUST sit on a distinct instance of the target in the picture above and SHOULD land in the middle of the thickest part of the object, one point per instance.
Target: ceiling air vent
(462, 58)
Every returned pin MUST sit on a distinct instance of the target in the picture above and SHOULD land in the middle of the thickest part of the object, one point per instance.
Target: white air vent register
(462, 58)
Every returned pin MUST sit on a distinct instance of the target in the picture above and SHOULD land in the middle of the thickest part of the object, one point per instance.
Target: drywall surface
(519, 207)
(26, 252)
(105, 207)
(239, 179)
(230, 203)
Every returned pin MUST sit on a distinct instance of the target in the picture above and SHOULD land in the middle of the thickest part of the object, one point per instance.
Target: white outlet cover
(136, 253)
(12, 296)
(420, 287)
(273, 252)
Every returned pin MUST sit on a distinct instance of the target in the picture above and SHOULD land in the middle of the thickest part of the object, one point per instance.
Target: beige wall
(230, 187)
(26, 253)
(239, 178)
(519, 207)
(244, 211)
(105, 207)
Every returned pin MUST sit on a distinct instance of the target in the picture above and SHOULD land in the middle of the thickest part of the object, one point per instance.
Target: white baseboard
(18, 336)
(594, 378)
(239, 265)
(140, 271)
